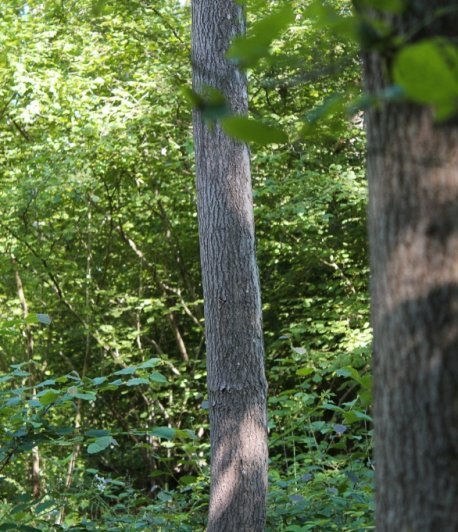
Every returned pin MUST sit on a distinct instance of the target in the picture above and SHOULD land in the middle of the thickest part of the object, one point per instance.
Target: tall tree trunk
(413, 189)
(235, 354)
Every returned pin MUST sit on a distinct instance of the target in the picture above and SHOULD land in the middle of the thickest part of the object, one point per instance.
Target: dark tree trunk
(413, 230)
(235, 355)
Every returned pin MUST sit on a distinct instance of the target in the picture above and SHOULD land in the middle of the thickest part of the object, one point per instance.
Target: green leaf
(248, 130)
(149, 363)
(99, 380)
(42, 506)
(325, 16)
(166, 433)
(247, 51)
(21, 373)
(350, 372)
(48, 397)
(47, 382)
(428, 73)
(19, 508)
(13, 401)
(187, 480)
(211, 102)
(126, 371)
(19, 527)
(185, 434)
(305, 371)
(352, 416)
(136, 381)
(100, 444)
(97, 433)
(86, 396)
(157, 377)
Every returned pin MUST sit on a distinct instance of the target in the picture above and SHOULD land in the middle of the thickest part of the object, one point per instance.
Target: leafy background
(103, 371)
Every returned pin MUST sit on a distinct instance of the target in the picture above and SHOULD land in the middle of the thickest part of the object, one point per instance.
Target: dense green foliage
(98, 224)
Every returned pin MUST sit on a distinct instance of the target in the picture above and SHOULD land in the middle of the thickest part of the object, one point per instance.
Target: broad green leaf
(21, 373)
(247, 51)
(166, 433)
(155, 376)
(187, 480)
(42, 506)
(248, 130)
(100, 444)
(97, 433)
(350, 372)
(353, 416)
(211, 103)
(325, 16)
(47, 382)
(13, 401)
(137, 381)
(366, 381)
(20, 432)
(19, 508)
(164, 496)
(126, 371)
(86, 396)
(305, 371)
(99, 380)
(428, 73)
(47, 397)
(149, 363)
(185, 434)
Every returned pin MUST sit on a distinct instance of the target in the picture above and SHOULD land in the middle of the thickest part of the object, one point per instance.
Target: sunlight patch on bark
(247, 462)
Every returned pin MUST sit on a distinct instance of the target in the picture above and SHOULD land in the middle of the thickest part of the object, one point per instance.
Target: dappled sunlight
(239, 465)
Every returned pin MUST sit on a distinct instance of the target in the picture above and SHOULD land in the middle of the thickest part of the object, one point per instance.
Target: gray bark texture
(237, 386)
(413, 231)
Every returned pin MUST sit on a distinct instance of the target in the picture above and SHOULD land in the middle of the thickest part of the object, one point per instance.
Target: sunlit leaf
(428, 73)
(247, 51)
(249, 130)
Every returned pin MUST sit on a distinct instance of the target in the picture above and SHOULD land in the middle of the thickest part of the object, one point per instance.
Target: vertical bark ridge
(413, 230)
(235, 354)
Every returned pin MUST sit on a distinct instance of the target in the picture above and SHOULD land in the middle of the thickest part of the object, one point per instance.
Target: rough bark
(413, 230)
(235, 354)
